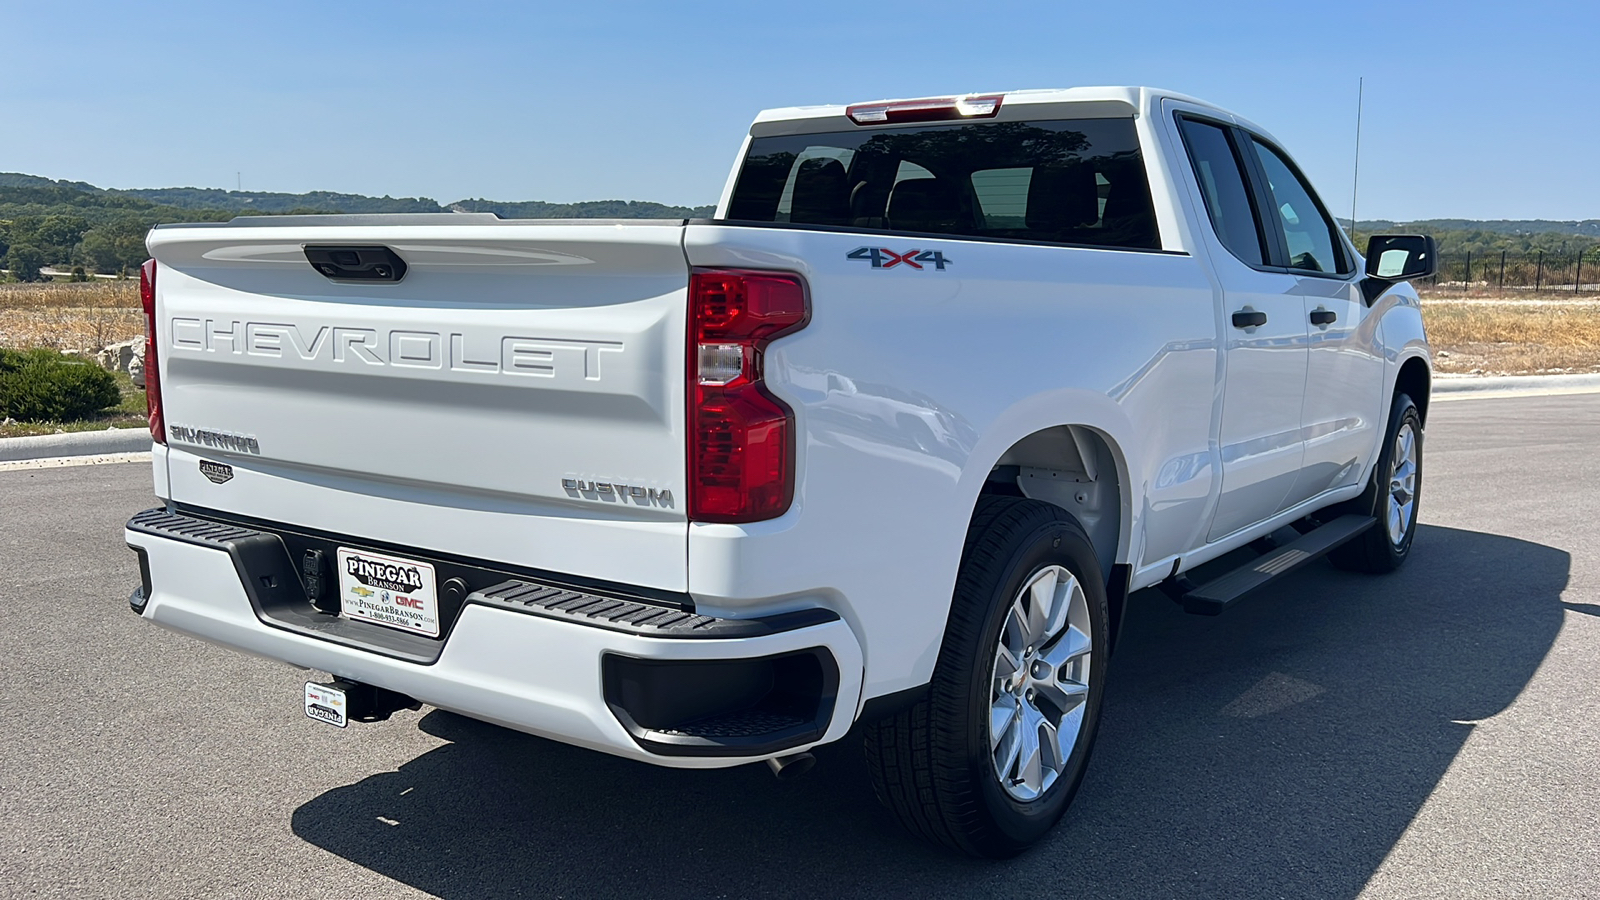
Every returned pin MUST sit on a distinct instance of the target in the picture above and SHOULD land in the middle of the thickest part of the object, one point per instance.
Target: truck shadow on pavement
(1279, 750)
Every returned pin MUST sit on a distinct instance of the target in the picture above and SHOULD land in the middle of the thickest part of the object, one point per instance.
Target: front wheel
(987, 762)
(1391, 497)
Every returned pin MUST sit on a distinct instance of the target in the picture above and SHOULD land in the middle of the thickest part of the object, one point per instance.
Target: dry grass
(1482, 334)
(1513, 336)
(70, 315)
(105, 292)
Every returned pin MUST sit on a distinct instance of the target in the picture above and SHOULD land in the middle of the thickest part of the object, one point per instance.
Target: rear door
(517, 396)
(1264, 332)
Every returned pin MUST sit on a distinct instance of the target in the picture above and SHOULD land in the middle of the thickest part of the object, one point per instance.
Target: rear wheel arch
(1081, 470)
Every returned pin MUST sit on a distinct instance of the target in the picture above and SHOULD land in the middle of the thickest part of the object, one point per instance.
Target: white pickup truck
(889, 441)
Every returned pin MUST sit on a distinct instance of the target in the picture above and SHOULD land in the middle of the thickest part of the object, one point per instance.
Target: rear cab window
(1070, 181)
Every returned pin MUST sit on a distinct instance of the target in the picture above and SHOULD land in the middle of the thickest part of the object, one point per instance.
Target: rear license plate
(388, 590)
(326, 704)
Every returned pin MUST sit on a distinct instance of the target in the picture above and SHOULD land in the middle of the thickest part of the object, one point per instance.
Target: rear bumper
(556, 674)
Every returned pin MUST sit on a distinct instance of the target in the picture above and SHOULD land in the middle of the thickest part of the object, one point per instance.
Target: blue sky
(1473, 110)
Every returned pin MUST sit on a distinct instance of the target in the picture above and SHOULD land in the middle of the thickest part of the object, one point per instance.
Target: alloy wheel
(1403, 484)
(1040, 683)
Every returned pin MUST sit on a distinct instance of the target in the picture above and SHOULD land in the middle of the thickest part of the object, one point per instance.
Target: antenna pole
(1355, 178)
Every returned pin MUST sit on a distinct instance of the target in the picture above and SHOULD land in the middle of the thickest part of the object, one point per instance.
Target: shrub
(44, 386)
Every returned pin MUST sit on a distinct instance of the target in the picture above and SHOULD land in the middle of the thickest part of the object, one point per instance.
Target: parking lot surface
(1431, 733)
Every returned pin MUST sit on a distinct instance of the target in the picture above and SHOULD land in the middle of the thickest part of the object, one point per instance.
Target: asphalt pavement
(1430, 733)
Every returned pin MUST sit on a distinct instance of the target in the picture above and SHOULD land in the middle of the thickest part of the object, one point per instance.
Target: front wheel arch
(1374, 551)
(1415, 381)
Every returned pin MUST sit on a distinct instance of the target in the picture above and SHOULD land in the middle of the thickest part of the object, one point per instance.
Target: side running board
(1214, 596)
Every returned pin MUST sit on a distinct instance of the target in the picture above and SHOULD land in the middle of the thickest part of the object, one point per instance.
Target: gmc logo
(412, 602)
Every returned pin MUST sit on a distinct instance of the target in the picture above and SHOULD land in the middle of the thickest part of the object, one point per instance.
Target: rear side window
(1221, 175)
(1074, 181)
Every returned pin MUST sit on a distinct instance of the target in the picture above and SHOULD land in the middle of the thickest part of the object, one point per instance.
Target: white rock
(136, 368)
(117, 357)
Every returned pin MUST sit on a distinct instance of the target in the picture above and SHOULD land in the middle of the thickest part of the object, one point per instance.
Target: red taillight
(741, 438)
(931, 109)
(152, 368)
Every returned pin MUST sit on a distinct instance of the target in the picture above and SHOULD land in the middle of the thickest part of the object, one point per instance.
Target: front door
(1344, 379)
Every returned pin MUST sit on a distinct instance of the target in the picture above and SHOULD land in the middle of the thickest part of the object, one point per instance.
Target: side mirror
(1393, 258)
(1401, 257)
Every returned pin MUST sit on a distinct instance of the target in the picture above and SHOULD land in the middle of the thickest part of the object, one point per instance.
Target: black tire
(1374, 551)
(931, 763)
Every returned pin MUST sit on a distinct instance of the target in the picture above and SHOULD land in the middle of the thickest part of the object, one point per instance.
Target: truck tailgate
(518, 396)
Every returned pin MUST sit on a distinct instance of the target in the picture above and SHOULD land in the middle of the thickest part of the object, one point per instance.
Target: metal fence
(1504, 271)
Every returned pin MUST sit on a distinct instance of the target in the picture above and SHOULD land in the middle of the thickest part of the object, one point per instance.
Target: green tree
(114, 247)
(57, 235)
(21, 230)
(25, 262)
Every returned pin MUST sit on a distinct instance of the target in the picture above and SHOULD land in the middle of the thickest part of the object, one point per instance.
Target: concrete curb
(1517, 384)
(133, 440)
(80, 443)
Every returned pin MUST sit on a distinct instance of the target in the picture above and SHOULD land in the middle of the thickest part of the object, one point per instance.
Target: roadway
(1431, 733)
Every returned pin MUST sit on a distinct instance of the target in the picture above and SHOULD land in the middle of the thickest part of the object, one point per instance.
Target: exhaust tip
(786, 768)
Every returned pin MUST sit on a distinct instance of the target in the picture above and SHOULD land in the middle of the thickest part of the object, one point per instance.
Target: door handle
(1249, 318)
(1320, 316)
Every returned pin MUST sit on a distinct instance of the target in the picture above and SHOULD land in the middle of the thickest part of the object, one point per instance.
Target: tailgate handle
(365, 263)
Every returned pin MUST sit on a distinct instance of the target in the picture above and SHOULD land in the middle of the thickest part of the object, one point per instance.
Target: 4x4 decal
(884, 258)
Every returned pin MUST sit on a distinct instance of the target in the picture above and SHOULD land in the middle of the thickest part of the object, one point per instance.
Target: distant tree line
(77, 226)
(71, 225)
(30, 242)
(1462, 236)
(592, 209)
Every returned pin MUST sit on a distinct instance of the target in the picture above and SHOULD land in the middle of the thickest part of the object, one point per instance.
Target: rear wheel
(987, 762)
(1391, 497)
